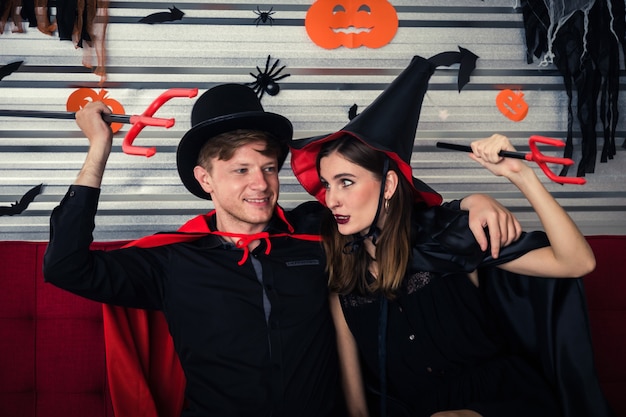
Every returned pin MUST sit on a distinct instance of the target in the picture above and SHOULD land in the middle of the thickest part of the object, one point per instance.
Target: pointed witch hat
(389, 125)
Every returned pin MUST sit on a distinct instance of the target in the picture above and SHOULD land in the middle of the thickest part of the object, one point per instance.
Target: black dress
(444, 352)
(516, 346)
(445, 348)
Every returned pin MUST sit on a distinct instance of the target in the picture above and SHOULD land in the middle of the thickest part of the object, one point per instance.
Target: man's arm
(131, 277)
(128, 278)
(486, 212)
(100, 137)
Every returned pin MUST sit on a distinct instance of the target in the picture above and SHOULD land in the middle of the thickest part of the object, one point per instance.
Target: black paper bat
(19, 206)
(161, 17)
(352, 112)
(466, 59)
(9, 69)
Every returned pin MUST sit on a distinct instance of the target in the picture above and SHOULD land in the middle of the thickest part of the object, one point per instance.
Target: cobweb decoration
(559, 12)
(583, 39)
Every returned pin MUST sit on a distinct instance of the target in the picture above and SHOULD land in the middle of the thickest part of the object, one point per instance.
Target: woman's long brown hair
(349, 272)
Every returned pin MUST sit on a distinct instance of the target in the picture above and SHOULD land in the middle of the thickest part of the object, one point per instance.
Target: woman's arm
(569, 255)
(351, 377)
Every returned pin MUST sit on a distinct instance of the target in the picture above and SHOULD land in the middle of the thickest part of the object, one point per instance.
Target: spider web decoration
(266, 81)
(583, 39)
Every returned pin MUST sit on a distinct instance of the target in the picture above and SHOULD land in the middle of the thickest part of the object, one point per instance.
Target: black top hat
(222, 109)
(388, 124)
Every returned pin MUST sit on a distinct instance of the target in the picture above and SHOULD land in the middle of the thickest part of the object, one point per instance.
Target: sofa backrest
(606, 299)
(52, 361)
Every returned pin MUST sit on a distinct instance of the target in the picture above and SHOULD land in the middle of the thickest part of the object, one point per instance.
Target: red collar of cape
(198, 227)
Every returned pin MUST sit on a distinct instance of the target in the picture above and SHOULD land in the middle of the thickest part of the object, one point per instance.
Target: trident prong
(139, 123)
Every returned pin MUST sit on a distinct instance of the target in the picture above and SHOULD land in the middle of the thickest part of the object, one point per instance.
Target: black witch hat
(388, 124)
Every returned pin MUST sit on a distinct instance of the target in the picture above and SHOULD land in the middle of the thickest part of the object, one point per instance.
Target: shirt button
(72, 193)
(412, 337)
(400, 309)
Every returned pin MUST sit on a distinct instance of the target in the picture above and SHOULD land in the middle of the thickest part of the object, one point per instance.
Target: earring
(386, 204)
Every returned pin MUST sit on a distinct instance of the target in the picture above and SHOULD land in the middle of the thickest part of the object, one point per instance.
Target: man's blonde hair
(224, 145)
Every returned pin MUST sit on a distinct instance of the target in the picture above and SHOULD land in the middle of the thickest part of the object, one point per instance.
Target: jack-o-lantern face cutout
(351, 23)
(79, 99)
(512, 104)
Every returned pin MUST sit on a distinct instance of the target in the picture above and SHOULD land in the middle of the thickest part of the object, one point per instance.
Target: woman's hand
(486, 152)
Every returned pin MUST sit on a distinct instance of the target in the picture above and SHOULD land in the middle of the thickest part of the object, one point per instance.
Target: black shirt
(240, 357)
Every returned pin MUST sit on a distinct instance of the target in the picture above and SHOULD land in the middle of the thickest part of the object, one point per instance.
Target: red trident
(138, 121)
(145, 120)
(534, 155)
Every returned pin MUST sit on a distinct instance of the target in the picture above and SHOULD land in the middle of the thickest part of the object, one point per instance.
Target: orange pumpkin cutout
(351, 23)
(79, 99)
(512, 104)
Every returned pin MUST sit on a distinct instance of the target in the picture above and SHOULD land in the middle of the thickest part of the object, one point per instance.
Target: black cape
(545, 319)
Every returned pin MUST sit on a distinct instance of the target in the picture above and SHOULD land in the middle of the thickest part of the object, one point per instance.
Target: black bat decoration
(161, 17)
(466, 59)
(352, 113)
(9, 69)
(19, 206)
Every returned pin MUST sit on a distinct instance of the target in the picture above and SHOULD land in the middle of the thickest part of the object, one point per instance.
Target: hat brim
(303, 163)
(192, 142)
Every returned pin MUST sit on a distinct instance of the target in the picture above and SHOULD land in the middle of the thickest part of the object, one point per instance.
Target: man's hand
(484, 211)
(100, 137)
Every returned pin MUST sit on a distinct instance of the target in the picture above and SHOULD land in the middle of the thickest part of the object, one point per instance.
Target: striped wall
(219, 42)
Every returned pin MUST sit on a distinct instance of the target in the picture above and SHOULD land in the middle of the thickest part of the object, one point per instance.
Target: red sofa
(52, 361)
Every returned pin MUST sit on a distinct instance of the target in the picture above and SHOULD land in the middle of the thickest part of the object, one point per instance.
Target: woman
(441, 353)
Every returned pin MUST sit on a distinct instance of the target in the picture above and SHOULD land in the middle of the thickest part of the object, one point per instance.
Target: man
(242, 288)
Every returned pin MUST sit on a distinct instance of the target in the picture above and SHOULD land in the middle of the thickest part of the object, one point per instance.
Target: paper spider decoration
(266, 80)
(264, 17)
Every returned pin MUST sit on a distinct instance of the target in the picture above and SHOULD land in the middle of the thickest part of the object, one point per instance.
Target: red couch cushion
(52, 360)
(52, 347)
(606, 298)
